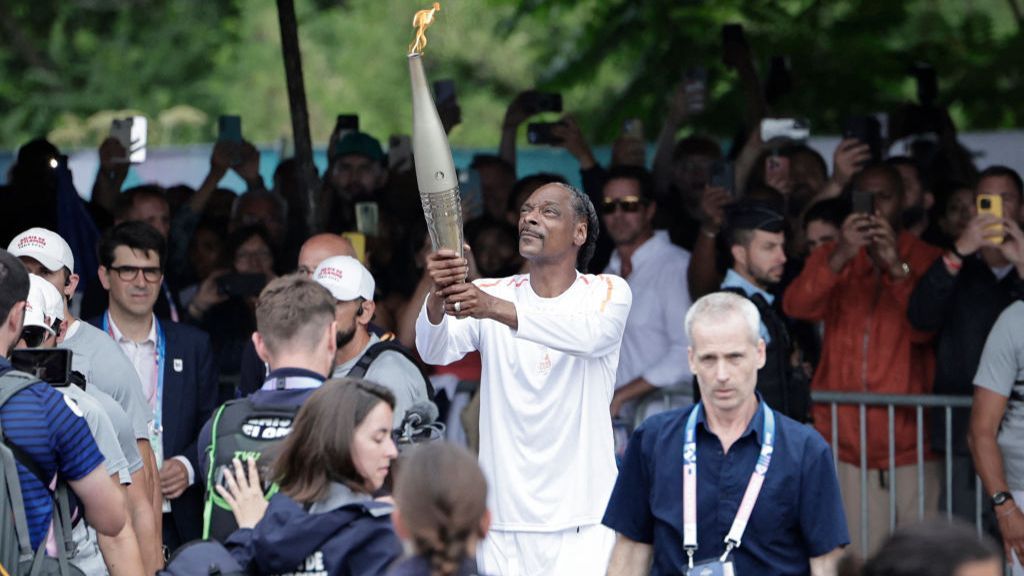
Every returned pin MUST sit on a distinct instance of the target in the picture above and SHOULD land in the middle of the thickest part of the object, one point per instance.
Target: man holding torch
(549, 342)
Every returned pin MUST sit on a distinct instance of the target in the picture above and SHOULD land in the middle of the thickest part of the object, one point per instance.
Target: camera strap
(739, 524)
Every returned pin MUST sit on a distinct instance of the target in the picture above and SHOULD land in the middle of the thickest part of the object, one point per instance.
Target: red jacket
(869, 345)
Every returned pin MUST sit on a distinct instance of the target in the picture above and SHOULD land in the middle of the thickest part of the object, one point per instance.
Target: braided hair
(441, 495)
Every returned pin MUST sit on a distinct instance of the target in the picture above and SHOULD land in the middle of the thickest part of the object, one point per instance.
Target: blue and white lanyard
(161, 355)
(739, 524)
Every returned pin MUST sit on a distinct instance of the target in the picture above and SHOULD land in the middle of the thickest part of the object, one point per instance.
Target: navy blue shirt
(45, 424)
(798, 514)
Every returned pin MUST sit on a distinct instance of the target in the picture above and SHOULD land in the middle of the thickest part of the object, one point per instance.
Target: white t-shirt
(545, 430)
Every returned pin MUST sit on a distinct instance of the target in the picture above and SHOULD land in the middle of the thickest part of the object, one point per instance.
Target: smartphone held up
(131, 133)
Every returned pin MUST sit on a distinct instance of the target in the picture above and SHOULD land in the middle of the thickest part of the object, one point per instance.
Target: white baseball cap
(42, 303)
(345, 278)
(45, 246)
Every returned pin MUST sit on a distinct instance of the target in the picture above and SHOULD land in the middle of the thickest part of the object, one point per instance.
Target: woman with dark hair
(935, 549)
(441, 499)
(323, 518)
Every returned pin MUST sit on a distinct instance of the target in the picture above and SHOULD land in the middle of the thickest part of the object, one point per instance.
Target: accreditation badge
(714, 567)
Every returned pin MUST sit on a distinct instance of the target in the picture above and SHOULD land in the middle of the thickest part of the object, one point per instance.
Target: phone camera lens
(986, 204)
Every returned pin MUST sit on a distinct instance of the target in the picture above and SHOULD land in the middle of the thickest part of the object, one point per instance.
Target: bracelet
(951, 264)
(707, 233)
(957, 252)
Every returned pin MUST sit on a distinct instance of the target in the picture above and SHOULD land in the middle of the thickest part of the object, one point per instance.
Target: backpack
(371, 354)
(202, 558)
(242, 430)
(16, 554)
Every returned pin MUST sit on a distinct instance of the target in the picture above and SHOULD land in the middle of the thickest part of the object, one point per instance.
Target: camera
(796, 129)
(540, 133)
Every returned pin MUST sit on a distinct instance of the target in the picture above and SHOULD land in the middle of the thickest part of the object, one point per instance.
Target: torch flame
(421, 21)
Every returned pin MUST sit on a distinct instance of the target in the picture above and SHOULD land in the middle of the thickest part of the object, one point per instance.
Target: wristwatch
(1000, 498)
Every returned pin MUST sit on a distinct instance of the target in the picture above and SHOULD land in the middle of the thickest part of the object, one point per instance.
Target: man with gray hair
(764, 480)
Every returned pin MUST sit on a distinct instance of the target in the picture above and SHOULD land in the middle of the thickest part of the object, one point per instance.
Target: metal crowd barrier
(892, 401)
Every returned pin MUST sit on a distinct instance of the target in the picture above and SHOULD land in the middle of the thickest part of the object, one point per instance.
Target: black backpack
(245, 431)
(202, 558)
(386, 345)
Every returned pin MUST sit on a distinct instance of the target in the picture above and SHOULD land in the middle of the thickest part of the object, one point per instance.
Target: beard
(343, 337)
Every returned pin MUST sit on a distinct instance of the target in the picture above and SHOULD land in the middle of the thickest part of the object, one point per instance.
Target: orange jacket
(869, 345)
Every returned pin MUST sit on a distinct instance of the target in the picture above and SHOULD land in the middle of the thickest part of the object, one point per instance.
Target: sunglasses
(629, 204)
(34, 336)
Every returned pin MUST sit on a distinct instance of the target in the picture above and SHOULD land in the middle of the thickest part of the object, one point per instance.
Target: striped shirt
(42, 423)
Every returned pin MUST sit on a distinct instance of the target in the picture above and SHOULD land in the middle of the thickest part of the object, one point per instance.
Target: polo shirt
(52, 431)
(798, 514)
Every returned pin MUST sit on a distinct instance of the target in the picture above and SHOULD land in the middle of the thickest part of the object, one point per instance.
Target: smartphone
(537, 102)
(444, 92)
(633, 128)
(540, 133)
(723, 176)
(927, 83)
(346, 122)
(358, 240)
(229, 129)
(863, 202)
(992, 204)
(367, 218)
(242, 285)
(400, 153)
(796, 129)
(866, 129)
(132, 134)
(51, 365)
(471, 194)
(695, 84)
(779, 81)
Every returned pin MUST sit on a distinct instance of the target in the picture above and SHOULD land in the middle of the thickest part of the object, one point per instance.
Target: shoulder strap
(11, 383)
(363, 364)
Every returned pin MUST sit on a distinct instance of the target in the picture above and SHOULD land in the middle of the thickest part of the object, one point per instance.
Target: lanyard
(291, 383)
(739, 524)
(158, 377)
(171, 308)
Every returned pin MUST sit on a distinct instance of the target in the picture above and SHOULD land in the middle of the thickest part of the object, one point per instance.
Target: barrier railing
(890, 402)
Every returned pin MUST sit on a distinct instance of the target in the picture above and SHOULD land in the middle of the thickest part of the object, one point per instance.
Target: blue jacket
(355, 539)
(190, 395)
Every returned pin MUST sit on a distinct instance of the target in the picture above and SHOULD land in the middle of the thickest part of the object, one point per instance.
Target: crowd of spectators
(898, 271)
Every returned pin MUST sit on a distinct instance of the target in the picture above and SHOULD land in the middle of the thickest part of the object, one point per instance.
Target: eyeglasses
(629, 204)
(129, 273)
(34, 336)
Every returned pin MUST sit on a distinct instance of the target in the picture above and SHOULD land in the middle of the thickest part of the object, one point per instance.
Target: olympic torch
(435, 171)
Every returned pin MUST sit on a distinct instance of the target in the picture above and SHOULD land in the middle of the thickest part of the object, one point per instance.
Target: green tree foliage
(847, 57)
(67, 67)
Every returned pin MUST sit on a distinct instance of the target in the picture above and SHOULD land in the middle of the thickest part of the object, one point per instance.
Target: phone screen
(367, 218)
(230, 129)
(52, 366)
